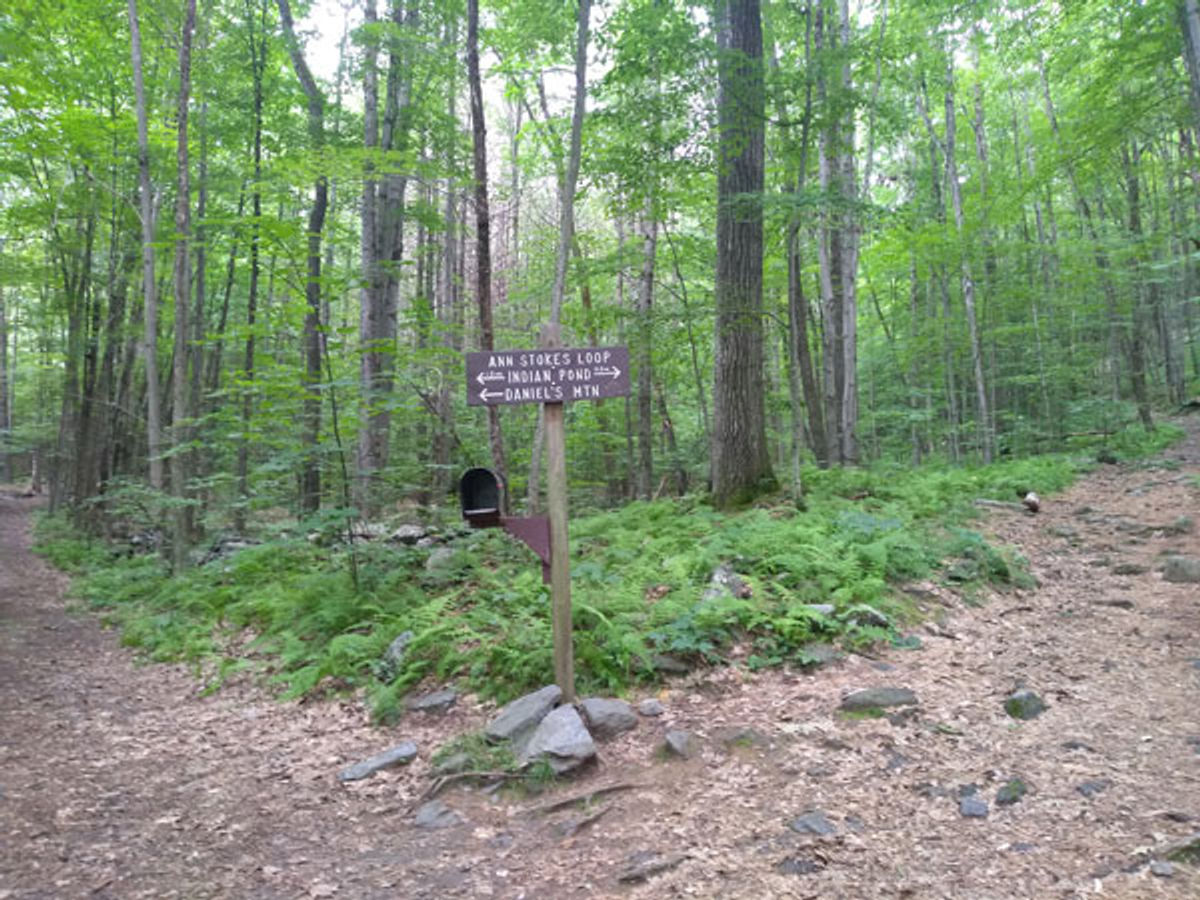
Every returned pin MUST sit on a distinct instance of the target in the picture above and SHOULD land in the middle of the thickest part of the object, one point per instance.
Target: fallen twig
(580, 798)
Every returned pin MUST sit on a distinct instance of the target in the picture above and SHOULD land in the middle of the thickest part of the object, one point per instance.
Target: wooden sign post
(552, 376)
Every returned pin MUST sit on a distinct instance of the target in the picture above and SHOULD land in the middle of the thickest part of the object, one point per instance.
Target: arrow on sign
(485, 395)
(604, 370)
(484, 377)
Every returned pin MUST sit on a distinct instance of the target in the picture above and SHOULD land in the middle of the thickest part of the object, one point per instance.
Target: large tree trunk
(741, 465)
(258, 61)
(483, 246)
(644, 345)
(5, 409)
(310, 476)
(967, 279)
(181, 518)
(150, 298)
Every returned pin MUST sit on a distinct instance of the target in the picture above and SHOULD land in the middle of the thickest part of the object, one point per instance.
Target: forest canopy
(240, 265)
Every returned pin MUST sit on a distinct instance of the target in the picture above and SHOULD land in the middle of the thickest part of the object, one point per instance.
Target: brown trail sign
(547, 376)
(551, 375)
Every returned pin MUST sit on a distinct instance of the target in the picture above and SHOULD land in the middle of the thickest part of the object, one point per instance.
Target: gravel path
(118, 780)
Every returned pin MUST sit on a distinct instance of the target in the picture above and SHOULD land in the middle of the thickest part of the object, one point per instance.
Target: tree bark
(150, 298)
(741, 465)
(310, 476)
(483, 247)
(181, 518)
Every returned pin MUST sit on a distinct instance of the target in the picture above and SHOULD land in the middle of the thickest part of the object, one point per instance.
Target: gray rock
(436, 814)
(1024, 704)
(393, 656)
(1129, 569)
(815, 654)
(866, 616)
(669, 665)
(1090, 789)
(441, 558)
(407, 534)
(1012, 791)
(1182, 570)
(725, 581)
(453, 764)
(825, 609)
(973, 807)
(646, 864)
(877, 698)
(397, 756)
(433, 702)
(681, 743)
(742, 736)
(650, 707)
(1161, 869)
(812, 822)
(562, 740)
(516, 721)
(606, 718)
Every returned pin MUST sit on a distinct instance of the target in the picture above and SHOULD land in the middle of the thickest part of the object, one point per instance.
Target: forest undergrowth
(294, 611)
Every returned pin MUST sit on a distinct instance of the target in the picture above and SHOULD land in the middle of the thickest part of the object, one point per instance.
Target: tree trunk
(741, 466)
(644, 345)
(967, 279)
(150, 298)
(483, 249)
(310, 477)
(5, 409)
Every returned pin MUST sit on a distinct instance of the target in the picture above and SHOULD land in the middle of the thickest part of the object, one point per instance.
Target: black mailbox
(481, 492)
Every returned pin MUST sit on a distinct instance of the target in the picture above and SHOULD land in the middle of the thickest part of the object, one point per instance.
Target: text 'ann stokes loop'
(546, 376)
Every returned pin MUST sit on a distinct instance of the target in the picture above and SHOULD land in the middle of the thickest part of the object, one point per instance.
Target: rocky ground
(119, 780)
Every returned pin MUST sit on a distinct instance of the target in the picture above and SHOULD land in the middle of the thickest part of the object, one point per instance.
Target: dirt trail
(125, 781)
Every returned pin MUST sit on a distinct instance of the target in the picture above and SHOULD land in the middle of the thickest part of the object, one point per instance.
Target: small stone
(517, 721)
(607, 718)
(681, 743)
(393, 656)
(813, 822)
(562, 740)
(407, 534)
(1182, 570)
(669, 665)
(1160, 869)
(1024, 704)
(436, 814)
(877, 698)
(724, 582)
(1129, 569)
(868, 617)
(796, 865)
(1022, 847)
(1090, 789)
(441, 559)
(732, 738)
(973, 807)
(815, 654)
(650, 707)
(645, 865)
(453, 764)
(1078, 745)
(1012, 791)
(1118, 603)
(433, 702)
(397, 756)
(1064, 531)
(823, 609)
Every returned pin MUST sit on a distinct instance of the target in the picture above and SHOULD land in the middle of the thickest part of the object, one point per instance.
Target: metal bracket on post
(534, 531)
